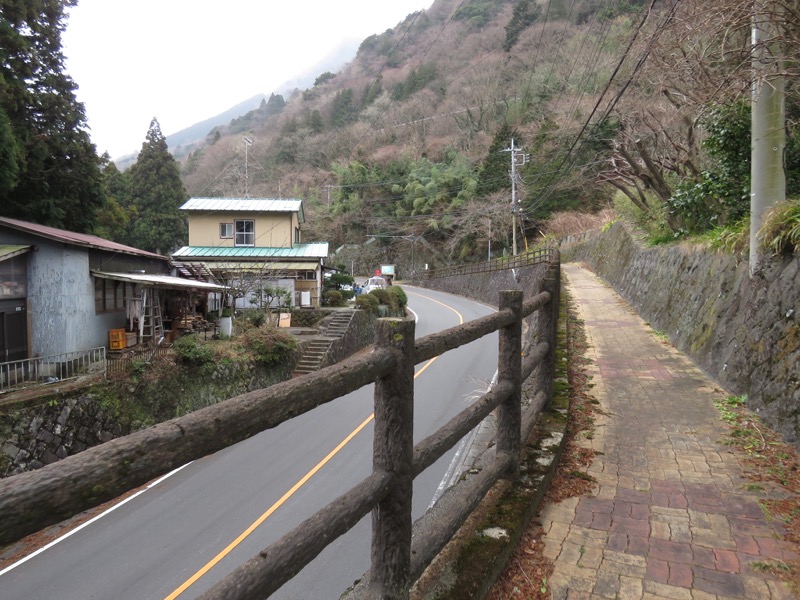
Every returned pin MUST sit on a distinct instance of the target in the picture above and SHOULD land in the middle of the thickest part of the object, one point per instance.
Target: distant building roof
(246, 205)
(76, 239)
(314, 250)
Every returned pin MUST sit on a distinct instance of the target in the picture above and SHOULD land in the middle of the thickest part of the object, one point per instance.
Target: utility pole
(247, 143)
(768, 132)
(490, 240)
(518, 158)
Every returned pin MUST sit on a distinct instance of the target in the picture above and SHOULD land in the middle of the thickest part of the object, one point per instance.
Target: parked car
(374, 283)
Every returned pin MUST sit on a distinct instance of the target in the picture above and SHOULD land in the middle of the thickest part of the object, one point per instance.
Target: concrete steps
(315, 351)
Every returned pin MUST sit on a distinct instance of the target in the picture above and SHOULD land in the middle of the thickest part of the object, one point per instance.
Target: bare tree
(692, 57)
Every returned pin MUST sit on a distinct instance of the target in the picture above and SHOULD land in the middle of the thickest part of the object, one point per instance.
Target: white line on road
(90, 521)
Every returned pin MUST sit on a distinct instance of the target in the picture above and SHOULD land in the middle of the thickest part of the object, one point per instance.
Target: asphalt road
(183, 534)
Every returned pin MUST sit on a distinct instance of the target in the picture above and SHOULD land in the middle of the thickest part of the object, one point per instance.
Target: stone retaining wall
(58, 425)
(360, 334)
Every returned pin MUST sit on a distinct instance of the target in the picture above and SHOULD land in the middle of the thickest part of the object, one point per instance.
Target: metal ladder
(151, 327)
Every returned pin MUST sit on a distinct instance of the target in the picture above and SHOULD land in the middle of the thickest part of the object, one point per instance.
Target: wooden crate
(116, 339)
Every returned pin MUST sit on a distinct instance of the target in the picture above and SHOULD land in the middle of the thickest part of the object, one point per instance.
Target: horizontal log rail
(33, 500)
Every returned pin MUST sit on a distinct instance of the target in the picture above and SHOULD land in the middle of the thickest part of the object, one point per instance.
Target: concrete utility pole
(518, 158)
(768, 128)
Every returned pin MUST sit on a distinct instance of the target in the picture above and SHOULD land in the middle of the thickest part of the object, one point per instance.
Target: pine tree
(158, 193)
(50, 170)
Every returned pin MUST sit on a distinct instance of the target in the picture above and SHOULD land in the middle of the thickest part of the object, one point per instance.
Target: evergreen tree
(342, 109)
(9, 155)
(115, 216)
(493, 175)
(157, 193)
(275, 104)
(526, 12)
(50, 171)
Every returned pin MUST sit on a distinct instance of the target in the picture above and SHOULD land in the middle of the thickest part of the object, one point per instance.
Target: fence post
(393, 453)
(509, 369)
(548, 324)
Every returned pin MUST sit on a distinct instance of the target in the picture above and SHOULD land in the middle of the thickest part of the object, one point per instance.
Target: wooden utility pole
(768, 128)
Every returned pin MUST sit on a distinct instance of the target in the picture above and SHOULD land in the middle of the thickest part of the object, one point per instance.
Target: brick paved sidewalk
(670, 516)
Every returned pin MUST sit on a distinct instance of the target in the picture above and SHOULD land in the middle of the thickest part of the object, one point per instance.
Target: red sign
(377, 272)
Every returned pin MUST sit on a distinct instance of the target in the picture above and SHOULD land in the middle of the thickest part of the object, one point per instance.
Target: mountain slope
(412, 137)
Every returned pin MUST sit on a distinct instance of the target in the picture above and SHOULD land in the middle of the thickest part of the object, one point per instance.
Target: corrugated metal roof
(167, 281)
(244, 204)
(10, 251)
(235, 266)
(76, 239)
(315, 250)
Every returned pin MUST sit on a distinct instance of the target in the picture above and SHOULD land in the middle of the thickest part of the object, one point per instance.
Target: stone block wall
(62, 424)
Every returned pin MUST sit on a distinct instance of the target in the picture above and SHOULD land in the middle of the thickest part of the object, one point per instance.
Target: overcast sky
(183, 61)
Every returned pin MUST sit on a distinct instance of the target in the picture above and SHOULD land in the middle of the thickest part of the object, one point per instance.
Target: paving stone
(670, 516)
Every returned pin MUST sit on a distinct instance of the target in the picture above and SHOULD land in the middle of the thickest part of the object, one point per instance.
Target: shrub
(332, 298)
(781, 229)
(368, 302)
(399, 296)
(189, 350)
(269, 345)
(384, 297)
(258, 319)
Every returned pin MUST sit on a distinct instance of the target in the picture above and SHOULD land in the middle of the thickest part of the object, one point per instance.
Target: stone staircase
(315, 351)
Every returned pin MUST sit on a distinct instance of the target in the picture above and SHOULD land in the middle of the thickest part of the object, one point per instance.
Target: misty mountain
(183, 142)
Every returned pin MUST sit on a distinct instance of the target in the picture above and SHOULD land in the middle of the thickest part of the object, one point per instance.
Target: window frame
(227, 232)
(240, 237)
(110, 295)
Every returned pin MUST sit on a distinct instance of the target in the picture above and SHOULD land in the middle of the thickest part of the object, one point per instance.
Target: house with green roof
(251, 244)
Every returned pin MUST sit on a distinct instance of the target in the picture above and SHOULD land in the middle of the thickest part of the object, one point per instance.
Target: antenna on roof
(247, 143)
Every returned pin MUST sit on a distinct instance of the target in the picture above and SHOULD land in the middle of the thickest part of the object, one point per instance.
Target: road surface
(186, 531)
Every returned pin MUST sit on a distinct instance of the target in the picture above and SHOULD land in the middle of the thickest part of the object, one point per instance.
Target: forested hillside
(647, 101)
(643, 104)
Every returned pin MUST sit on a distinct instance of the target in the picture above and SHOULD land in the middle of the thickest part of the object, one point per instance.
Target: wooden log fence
(400, 551)
(534, 257)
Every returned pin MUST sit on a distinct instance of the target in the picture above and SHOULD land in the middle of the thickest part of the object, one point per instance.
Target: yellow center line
(460, 316)
(303, 480)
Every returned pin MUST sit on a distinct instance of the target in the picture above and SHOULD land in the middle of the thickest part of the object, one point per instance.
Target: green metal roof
(315, 250)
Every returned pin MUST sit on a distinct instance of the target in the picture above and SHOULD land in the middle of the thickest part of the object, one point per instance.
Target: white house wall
(286, 284)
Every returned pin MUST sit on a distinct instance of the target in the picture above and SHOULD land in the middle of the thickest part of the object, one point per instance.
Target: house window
(296, 235)
(311, 275)
(226, 230)
(245, 233)
(109, 295)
